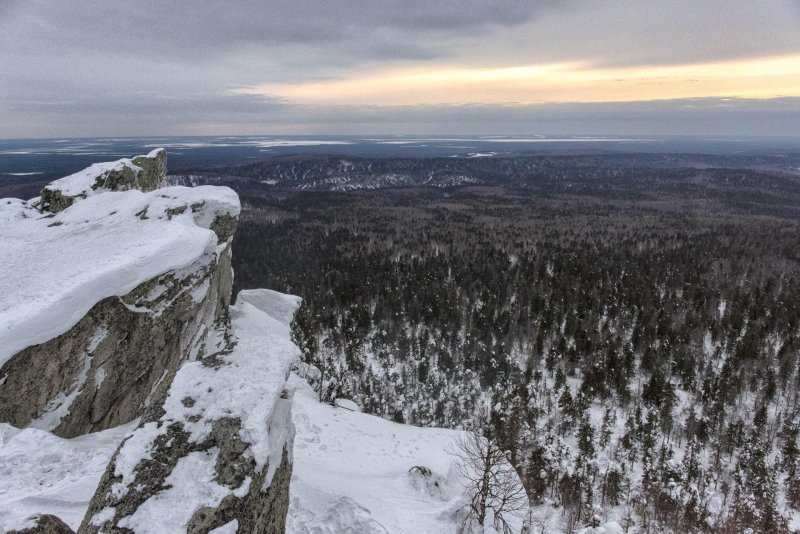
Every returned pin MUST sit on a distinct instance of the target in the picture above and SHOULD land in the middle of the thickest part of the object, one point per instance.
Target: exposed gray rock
(224, 226)
(101, 372)
(123, 359)
(144, 173)
(54, 201)
(261, 510)
(46, 524)
(152, 175)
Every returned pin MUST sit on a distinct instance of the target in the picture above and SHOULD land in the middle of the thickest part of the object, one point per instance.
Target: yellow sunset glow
(555, 82)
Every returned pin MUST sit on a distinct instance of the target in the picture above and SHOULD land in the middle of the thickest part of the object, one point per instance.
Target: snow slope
(351, 473)
(56, 267)
(44, 474)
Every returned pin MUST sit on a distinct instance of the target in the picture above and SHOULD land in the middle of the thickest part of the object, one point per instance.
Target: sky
(365, 67)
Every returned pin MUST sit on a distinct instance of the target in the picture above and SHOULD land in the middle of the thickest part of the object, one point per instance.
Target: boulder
(46, 524)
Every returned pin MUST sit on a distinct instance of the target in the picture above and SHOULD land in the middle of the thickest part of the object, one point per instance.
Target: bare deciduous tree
(493, 486)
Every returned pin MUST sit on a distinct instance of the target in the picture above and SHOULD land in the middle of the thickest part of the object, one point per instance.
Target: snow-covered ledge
(103, 299)
(116, 309)
(56, 267)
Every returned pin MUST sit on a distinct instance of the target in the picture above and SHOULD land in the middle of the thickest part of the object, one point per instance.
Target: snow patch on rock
(227, 528)
(190, 486)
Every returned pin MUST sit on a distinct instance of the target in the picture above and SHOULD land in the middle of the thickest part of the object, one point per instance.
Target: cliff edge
(116, 311)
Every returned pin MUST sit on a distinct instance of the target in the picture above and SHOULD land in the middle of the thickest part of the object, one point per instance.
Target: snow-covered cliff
(114, 310)
(135, 398)
(217, 449)
(102, 300)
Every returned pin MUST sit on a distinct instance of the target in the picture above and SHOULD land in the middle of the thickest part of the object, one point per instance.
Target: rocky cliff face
(119, 310)
(100, 372)
(219, 438)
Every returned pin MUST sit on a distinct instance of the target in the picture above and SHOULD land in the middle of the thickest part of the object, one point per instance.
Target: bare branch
(493, 486)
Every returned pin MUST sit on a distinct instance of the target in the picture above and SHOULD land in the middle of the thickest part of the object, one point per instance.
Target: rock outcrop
(144, 173)
(124, 314)
(47, 524)
(220, 440)
(100, 372)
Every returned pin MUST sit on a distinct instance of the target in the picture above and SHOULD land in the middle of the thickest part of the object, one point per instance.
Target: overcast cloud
(156, 68)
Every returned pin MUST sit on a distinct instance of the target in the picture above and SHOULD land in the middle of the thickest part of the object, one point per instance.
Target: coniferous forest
(630, 334)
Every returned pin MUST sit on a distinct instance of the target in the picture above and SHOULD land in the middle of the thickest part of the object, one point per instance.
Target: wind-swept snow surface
(56, 267)
(359, 473)
(43, 474)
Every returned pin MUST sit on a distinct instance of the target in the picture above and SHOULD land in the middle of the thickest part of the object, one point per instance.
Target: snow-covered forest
(631, 340)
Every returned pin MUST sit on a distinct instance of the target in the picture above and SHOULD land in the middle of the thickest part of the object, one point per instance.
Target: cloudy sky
(106, 67)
